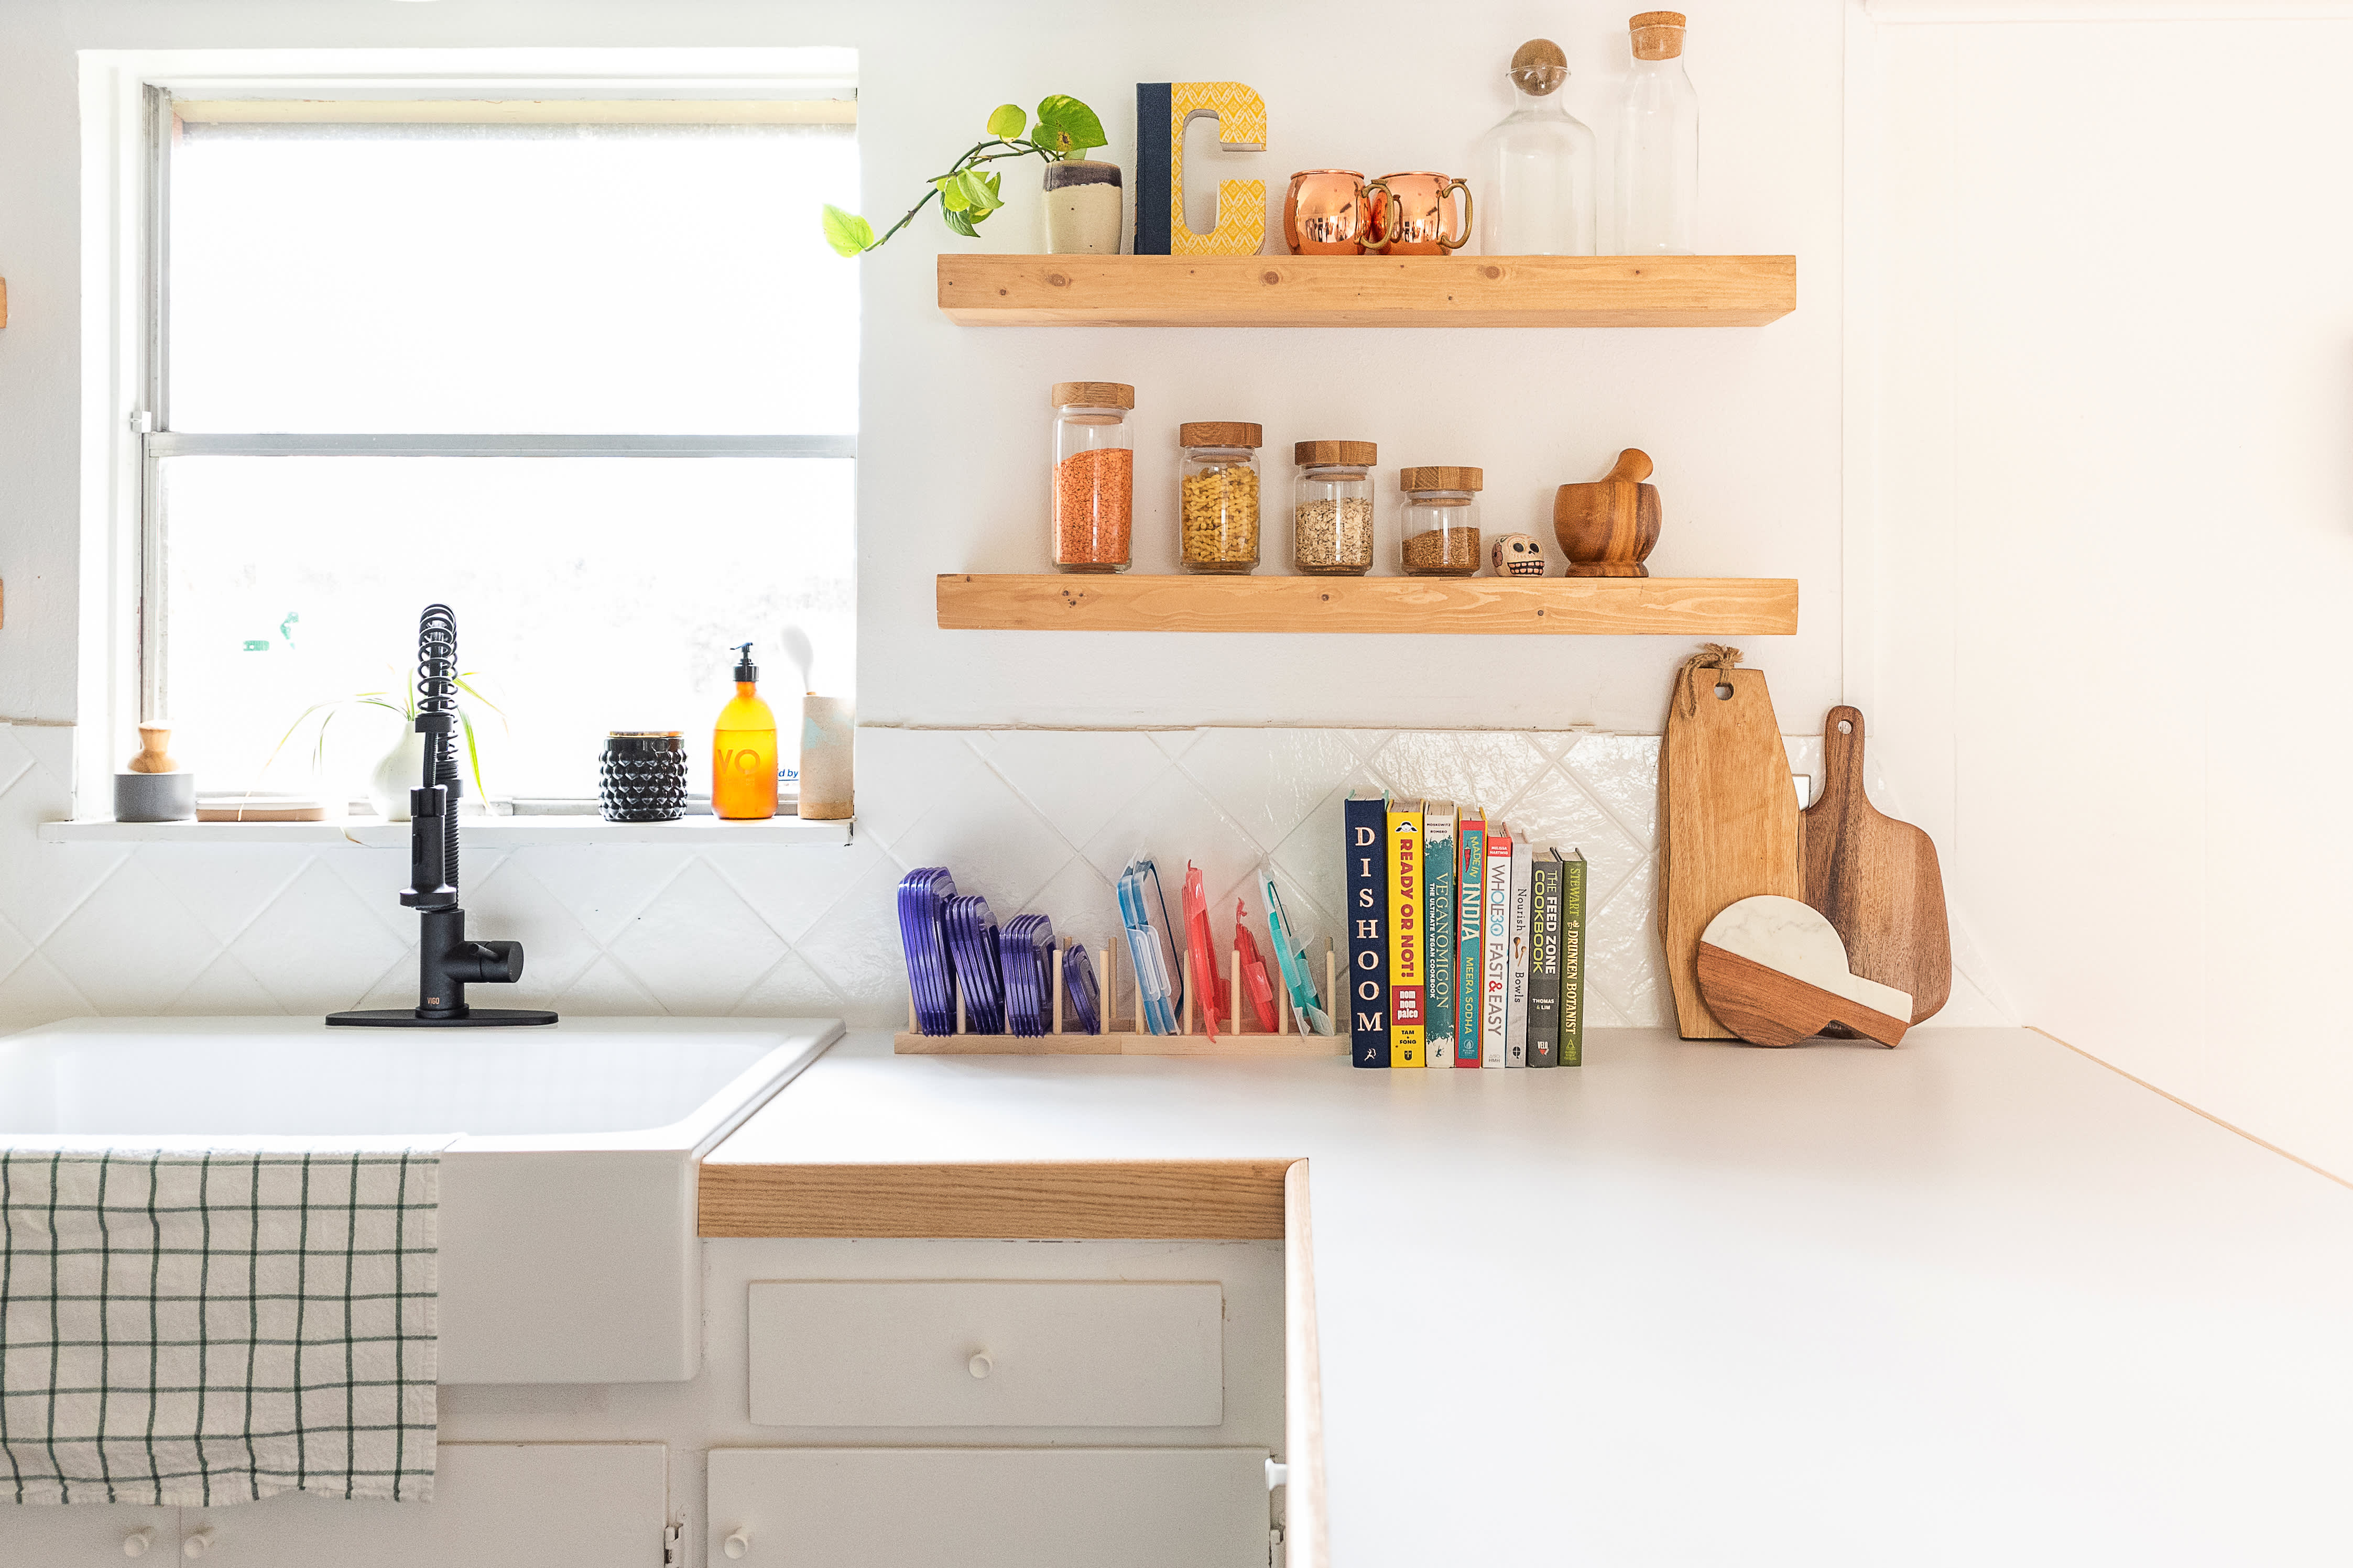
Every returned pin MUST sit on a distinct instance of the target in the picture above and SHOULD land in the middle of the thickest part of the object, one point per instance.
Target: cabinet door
(495, 1505)
(51, 1536)
(990, 1508)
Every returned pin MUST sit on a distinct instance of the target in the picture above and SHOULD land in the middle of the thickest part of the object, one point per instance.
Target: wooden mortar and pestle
(1608, 528)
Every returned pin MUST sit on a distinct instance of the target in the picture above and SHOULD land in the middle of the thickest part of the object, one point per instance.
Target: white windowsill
(499, 832)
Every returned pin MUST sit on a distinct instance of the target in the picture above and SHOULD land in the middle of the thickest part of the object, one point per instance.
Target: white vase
(1083, 208)
(400, 770)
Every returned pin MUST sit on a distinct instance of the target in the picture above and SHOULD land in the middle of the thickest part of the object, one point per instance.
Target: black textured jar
(642, 777)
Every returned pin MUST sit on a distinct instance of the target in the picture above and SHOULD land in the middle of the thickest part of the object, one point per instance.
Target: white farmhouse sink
(568, 1239)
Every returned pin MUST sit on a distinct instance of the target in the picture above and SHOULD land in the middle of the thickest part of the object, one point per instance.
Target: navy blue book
(1153, 170)
(1368, 982)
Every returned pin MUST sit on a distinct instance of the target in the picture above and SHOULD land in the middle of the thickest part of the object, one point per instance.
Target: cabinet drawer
(988, 1508)
(969, 1352)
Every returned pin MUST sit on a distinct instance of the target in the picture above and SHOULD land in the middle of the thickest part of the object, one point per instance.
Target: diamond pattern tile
(1036, 819)
(698, 947)
(130, 946)
(1270, 780)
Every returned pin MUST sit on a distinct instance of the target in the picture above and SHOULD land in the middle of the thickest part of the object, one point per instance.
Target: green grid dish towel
(192, 1330)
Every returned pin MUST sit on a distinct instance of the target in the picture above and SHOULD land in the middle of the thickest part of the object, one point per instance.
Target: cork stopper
(1538, 67)
(1348, 454)
(1658, 35)
(1094, 395)
(1220, 433)
(1440, 478)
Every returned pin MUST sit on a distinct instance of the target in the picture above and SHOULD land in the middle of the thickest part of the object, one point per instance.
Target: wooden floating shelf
(1556, 607)
(1367, 290)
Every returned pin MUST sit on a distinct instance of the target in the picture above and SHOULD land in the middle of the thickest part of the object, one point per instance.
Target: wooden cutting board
(1875, 878)
(1727, 820)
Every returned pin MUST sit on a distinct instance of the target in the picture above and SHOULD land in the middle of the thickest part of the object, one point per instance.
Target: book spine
(1367, 996)
(1406, 979)
(1544, 963)
(1495, 1012)
(1470, 949)
(1155, 166)
(1515, 1044)
(1572, 962)
(1439, 873)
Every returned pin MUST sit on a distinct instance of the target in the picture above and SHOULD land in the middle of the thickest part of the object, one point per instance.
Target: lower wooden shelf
(1504, 606)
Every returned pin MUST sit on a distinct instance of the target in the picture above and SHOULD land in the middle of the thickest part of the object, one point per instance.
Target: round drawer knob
(137, 1541)
(736, 1544)
(196, 1546)
(979, 1365)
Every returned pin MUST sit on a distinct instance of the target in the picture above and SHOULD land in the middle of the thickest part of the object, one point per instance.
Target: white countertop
(1975, 1301)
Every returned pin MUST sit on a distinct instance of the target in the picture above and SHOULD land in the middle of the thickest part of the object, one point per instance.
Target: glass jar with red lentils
(1092, 502)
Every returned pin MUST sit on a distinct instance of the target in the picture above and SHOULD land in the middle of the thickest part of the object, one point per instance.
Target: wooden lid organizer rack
(1291, 1037)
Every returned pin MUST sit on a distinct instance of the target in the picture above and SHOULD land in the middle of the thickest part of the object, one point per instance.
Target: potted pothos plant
(1082, 205)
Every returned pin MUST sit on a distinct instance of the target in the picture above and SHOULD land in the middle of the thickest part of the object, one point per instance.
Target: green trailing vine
(968, 193)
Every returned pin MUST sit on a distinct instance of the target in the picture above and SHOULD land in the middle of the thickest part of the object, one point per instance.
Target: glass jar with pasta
(1217, 495)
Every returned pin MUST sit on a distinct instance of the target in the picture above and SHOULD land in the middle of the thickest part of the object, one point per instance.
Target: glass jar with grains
(1441, 521)
(1331, 507)
(1217, 495)
(1091, 506)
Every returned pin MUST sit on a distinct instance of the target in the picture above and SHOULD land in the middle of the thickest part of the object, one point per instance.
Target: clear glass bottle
(1217, 495)
(1656, 157)
(1536, 170)
(1091, 499)
(1441, 521)
(1331, 507)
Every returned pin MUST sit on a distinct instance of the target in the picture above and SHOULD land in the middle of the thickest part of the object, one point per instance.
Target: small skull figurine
(1518, 555)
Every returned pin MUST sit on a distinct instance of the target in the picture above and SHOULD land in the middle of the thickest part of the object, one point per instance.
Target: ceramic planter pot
(400, 770)
(1083, 208)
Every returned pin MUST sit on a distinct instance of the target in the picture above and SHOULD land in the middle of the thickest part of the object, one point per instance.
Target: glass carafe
(1656, 157)
(1536, 170)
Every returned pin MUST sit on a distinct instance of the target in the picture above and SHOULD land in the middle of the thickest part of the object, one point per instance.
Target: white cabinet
(495, 1505)
(972, 1353)
(42, 1535)
(988, 1508)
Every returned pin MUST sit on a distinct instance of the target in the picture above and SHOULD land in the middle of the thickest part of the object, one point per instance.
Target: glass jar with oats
(1090, 505)
(1217, 495)
(1331, 507)
(1441, 521)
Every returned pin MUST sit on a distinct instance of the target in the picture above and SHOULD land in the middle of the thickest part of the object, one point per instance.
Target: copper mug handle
(1450, 245)
(1377, 235)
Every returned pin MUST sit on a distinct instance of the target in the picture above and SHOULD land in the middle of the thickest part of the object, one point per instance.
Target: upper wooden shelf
(1564, 606)
(1367, 290)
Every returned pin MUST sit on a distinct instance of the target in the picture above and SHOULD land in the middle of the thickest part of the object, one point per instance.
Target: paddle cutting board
(1876, 878)
(1727, 821)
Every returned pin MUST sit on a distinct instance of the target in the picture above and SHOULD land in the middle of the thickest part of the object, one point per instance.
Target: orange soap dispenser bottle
(743, 750)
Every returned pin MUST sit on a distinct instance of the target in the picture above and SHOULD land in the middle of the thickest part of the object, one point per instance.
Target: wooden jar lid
(1439, 479)
(1538, 67)
(1220, 433)
(1658, 35)
(1349, 454)
(1094, 395)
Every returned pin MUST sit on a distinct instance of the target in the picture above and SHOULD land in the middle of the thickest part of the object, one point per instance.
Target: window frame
(127, 99)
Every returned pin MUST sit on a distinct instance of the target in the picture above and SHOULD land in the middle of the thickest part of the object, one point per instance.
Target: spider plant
(402, 703)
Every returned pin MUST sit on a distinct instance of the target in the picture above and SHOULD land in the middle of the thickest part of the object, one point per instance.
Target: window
(584, 372)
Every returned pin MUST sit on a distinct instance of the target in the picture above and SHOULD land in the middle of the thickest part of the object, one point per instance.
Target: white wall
(2115, 541)
(1744, 424)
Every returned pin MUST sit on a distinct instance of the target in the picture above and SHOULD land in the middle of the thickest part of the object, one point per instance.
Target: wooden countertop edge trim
(1077, 1200)
(2225, 1126)
(1306, 1541)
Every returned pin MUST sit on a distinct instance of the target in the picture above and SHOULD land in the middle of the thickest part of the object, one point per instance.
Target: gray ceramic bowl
(154, 797)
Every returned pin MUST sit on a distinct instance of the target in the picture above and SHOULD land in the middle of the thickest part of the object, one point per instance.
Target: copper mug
(1409, 214)
(1324, 213)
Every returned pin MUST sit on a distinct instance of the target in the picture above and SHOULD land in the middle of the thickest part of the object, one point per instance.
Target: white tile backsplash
(1032, 818)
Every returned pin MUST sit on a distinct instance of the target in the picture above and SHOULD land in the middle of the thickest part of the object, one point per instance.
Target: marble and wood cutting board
(1727, 821)
(1876, 878)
